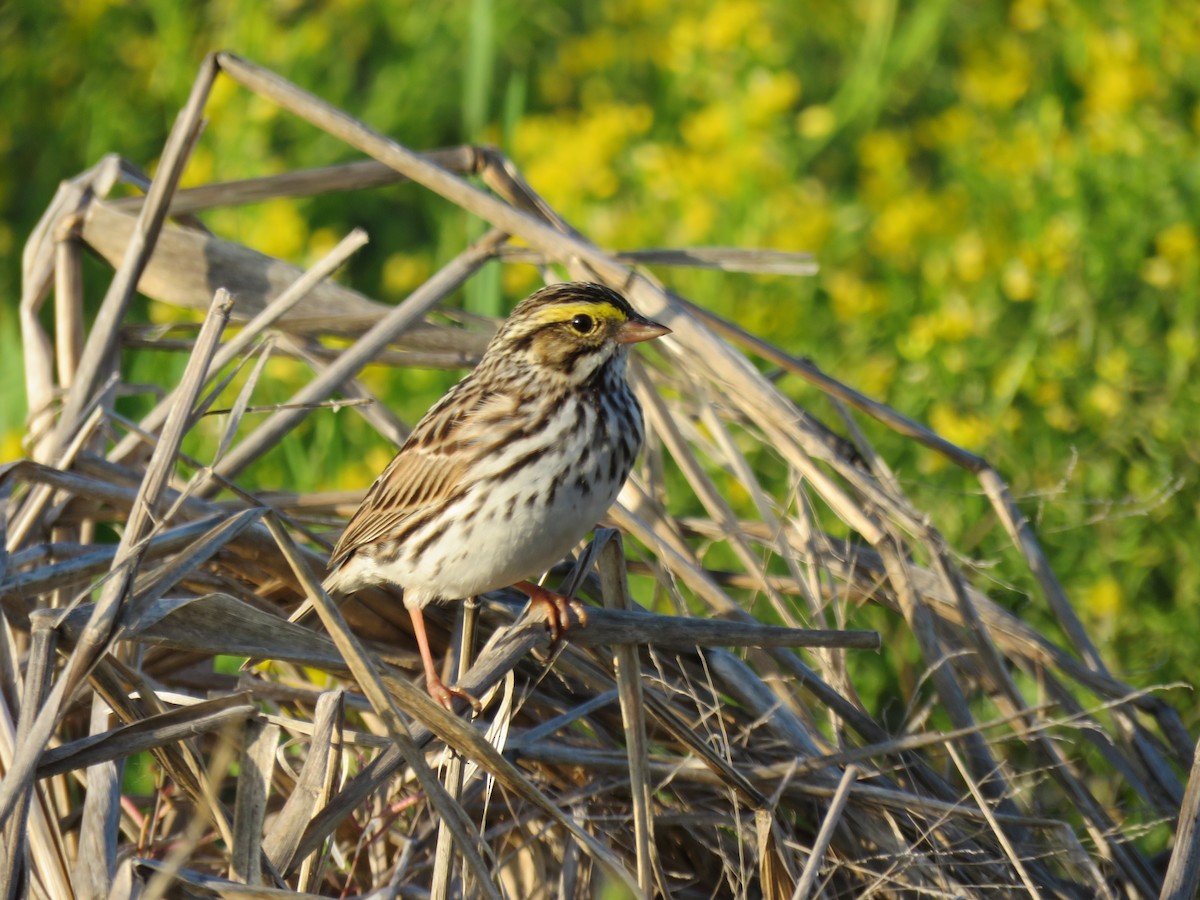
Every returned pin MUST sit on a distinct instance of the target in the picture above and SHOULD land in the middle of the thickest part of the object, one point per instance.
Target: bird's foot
(444, 694)
(560, 611)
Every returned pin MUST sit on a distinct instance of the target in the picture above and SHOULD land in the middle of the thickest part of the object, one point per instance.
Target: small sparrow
(510, 469)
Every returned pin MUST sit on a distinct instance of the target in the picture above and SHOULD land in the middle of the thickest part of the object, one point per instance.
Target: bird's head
(569, 332)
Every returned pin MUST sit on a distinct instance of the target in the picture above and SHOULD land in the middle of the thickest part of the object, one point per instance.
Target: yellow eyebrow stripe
(564, 312)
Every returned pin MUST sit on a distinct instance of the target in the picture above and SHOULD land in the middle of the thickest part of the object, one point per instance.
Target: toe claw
(444, 694)
(561, 611)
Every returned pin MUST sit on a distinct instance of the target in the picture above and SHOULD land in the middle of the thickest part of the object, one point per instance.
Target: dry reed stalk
(647, 752)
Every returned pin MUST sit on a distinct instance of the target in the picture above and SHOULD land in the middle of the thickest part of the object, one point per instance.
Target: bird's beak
(634, 331)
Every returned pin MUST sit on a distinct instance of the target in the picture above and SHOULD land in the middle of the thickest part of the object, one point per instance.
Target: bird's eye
(583, 324)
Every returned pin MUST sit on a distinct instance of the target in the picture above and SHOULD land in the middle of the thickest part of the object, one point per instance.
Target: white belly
(504, 531)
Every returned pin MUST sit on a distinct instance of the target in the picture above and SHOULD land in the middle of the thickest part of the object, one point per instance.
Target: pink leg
(433, 682)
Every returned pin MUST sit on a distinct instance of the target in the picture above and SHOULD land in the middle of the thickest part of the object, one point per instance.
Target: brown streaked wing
(416, 479)
(431, 466)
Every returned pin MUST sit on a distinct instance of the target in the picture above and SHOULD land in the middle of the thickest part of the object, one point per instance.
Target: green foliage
(1002, 196)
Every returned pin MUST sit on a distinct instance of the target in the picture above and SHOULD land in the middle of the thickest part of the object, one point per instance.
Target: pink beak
(634, 331)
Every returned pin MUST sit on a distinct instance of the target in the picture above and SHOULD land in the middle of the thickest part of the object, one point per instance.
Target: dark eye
(583, 324)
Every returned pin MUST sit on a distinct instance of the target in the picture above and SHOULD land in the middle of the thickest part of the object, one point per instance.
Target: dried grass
(646, 752)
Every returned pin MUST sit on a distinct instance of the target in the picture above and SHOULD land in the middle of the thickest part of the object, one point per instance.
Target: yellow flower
(768, 95)
(818, 121)
(802, 218)
(574, 157)
(1017, 281)
(1114, 78)
(1058, 243)
(520, 280)
(900, 225)
(199, 168)
(952, 127)
(1158, 272)
(997, 73)
(1113, 366)
(1182, 343)
(733, 25)
(876, 373)
(1027, 15)
(278, 230)
(853, 298)
(1104, 598)
(970, 257)
(1061, 418)
(10, 446)
(1047, 393)
(1176, 243)
(968, 430)
(883, 151)
(709, 128)
(402, 272)
(918, 341)
(1106, 400)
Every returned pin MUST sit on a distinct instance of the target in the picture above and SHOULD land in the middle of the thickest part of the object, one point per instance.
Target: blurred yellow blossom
(852, 297)
(935, 269)
(697, 220)
(1106, 400)
(404, 271)
(951, 127)
(900, 226)
(1104, 598)
(968, 430)
(816, 122)
(1060, 417)
(803, 218)
(589, 52)
(167, 314)
(709, 127)
(1058, 244)
(1027, 15)
(288, 370)
(573, 157)
(970, 256)
(320, 242)
(520, 280)
(1047, 393)
(278, 230)
(1113, 366)
(741, 25)
(1017, 281)
(1177, 243)
(10, 446)
(769, 94)
(1062, 358)
(360, 470)
(1158, 272)
(199, 169)
(955, 321)
(883, 150)
(884, 158)
(996, 72)
(875, 374)
(1114, 77)
(1182, 343)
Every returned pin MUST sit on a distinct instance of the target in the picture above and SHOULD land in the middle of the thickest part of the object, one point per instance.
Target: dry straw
(691, 755)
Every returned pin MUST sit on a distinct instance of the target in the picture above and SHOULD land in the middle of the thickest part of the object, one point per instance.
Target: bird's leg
(433, 682)
(559, 609)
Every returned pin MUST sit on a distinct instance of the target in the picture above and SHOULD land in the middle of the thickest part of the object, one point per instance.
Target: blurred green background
(1003, 198)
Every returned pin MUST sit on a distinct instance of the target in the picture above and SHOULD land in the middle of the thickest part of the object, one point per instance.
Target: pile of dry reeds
(701, 754)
